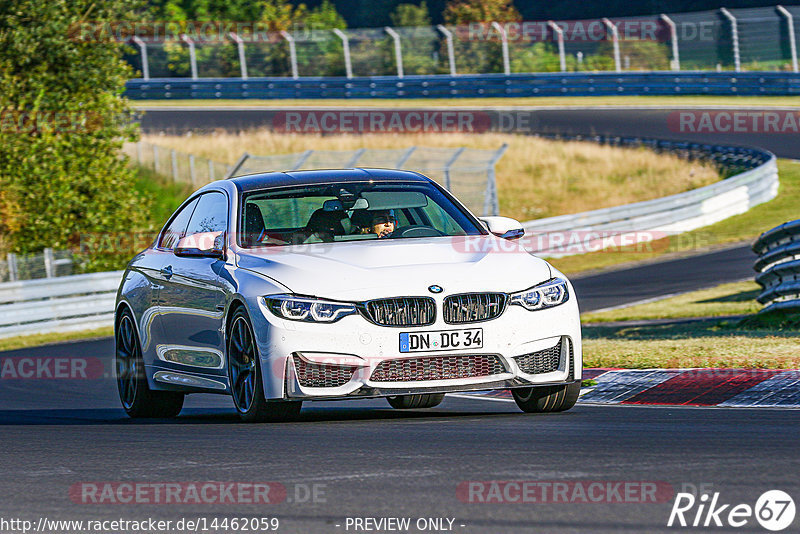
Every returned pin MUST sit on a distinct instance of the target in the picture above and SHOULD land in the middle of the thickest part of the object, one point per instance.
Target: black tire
(544, 399)
(244, 375)
(137, 398)
(408, 402)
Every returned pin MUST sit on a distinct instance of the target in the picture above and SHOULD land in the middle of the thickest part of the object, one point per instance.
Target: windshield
(350, 211)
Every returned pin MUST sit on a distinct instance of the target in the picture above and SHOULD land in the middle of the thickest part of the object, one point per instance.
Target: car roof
(252, 182)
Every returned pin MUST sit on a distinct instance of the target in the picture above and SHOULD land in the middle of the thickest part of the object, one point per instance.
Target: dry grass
(737, 298)
(731, 351)
(536, 177)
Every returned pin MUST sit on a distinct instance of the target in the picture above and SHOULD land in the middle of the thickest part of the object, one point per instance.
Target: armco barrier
(778, 266)
(470, 85)
(78, 302)
(676, 213)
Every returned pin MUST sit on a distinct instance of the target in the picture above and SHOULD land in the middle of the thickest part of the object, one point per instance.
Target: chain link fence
(761, 39)
(468, 173)
(47, 264)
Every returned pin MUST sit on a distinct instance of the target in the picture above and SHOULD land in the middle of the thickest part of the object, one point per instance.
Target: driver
(381, 222)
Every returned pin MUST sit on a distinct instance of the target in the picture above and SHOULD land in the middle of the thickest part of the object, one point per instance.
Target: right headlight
(545, 295)
(308, 309)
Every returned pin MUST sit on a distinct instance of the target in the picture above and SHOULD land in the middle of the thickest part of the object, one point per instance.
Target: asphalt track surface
(366, 460)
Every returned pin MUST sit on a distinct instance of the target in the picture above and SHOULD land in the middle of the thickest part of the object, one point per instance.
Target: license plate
(471, 338)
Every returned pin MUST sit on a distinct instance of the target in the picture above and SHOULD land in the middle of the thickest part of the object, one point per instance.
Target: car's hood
(369, 269)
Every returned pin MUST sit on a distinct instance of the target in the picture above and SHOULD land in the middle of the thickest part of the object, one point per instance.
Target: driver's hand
(383, 230)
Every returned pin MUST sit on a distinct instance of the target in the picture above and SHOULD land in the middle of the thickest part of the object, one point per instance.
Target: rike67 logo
(774, 510)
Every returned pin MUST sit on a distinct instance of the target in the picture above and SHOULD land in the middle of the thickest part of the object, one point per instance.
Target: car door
(150, 264)
(192, 297)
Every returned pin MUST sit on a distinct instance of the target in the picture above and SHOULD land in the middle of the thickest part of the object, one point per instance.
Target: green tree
(466, 11)
(411, 15)
(423, 48)
(477, 45)
(63, 123)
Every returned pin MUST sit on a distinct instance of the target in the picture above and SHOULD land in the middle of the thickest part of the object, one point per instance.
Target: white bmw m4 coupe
(280, 288)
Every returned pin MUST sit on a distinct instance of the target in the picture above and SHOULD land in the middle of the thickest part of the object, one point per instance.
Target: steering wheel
(416, 230)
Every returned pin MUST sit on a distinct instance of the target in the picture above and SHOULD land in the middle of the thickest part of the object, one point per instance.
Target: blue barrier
(472, 86)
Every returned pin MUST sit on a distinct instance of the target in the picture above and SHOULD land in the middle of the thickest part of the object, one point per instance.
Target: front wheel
(408, 402)
(244, 374)
(544, 399)
(136, 396)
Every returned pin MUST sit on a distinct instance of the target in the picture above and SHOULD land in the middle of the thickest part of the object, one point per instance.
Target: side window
(177, 227)
(211, 215)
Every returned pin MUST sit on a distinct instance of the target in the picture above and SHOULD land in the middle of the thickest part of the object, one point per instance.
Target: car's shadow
(309, 415)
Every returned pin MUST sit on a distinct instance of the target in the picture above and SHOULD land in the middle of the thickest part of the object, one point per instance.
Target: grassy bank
(738, 298)
(35, 340)
(752, 342)
(739, 228)
(535, 178)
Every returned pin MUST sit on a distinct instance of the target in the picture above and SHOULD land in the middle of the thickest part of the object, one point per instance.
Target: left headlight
(545, 295)
(308, 309)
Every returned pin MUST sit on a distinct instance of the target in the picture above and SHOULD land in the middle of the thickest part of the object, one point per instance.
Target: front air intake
(401, 311)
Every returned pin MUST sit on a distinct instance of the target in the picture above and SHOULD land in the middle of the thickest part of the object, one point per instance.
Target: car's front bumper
(353, 343)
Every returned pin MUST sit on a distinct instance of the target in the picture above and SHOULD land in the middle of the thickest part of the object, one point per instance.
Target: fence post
(615, 41)
(210, 171)
(49, 267)
(562, 56)
(348, 66)
(139, 151)
(504, 44)
(792, 42)
(174, 157)
(192, 176)
(449, 164)
(673, 32)
(155, 159)
(292, 53)
(237, 165)
(737, 60)
(13, 272)
(398, 50)
(451, 55)
(490, 201)
(405, 156)
(356, 156)
(143, 51)
(240, 48)
(192, 56)
(301, 160)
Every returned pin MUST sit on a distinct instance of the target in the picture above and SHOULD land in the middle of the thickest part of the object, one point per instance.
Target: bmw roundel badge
(435, 289)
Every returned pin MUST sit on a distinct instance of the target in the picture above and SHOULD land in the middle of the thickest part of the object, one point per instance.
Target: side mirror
(202, 245)
(504, 227)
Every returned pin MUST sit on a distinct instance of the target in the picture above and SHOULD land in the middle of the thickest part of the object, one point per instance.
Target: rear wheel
(407, 402)
(547, 398)
(136, 396)
(244, 373)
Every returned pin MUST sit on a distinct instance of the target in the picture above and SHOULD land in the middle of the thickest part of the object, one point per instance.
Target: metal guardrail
(78, 302)
(471, 86)
(778, 267)
(757, 182)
